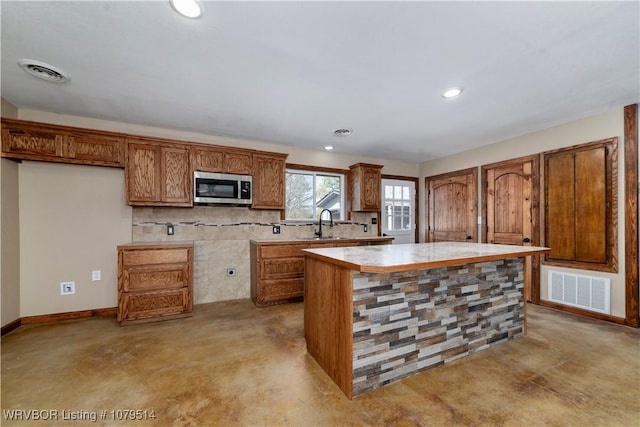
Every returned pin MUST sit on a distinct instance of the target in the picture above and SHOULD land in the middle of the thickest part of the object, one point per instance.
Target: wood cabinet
(218, 159)
(158, 174)
(268, 180)
(365, 181)
(277, 268)
(62, 144)
(155, 282)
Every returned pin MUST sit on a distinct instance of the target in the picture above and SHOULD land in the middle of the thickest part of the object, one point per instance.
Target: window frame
(611, 214)
(316, 170)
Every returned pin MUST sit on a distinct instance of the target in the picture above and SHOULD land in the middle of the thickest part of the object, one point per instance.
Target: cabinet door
(268, 181)
(143, 174)
(94, 149)
(209, 160)
(158, 175)
(175, 177)
(29, 142)
(238, 163)
(365, 185)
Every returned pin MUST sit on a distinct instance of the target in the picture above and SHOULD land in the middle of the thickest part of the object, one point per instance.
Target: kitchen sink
(323, 238)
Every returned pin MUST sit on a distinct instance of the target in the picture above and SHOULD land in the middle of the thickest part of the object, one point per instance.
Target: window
(581, 206)
(309, 192)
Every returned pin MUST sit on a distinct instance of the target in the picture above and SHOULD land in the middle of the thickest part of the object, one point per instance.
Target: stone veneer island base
(375, 315)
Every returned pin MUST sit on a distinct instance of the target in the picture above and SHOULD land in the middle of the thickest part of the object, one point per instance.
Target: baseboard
(11, 326)
(71, 315)
(582, 312)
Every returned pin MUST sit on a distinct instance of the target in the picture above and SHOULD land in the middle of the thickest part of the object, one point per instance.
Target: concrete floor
(235, 365)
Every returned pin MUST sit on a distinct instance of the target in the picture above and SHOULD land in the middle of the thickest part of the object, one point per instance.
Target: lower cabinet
(277, 269)
(155, 282)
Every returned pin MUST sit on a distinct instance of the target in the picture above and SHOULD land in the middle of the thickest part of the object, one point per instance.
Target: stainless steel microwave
(221, 188)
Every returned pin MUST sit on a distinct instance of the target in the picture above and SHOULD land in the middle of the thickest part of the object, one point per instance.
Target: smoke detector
(44, 71)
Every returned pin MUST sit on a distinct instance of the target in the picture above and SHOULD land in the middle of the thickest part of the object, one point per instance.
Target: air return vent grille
(586, 292)
(44, 71)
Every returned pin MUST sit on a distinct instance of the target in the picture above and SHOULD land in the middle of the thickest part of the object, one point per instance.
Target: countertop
(405, 257)
(328, 240)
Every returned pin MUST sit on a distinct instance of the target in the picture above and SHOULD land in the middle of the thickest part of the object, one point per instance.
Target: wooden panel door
(452, 206)
(510, 211)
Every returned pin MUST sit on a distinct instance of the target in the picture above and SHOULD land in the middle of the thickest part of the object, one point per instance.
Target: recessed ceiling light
(342, 132)
(328, 147)
(188, 8)
(44, 71)
(452, 92)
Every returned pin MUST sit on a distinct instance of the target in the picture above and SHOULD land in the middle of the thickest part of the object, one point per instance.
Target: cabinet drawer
(155, 256)
(282, 268)
(143, 305)
(282, 251)
(276, 290)
(145, 278)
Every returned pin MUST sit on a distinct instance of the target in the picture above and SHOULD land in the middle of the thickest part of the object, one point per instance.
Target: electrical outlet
(276, 229)
(374, 221)
(231, 272)
(96, 275)
(170, 230)
(67, 288)
(365, 228)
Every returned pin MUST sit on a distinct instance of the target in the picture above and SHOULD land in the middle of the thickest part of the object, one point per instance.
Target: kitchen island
(374, 315)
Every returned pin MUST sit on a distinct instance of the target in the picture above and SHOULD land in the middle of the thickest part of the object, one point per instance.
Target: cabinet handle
(526, 240)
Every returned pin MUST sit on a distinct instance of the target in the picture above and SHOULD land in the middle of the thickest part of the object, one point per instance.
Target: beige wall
(10, 243)
(72, 218)
(578, 132)
(9, 234)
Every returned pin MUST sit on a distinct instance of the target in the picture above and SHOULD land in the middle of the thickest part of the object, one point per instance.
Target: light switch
(96, 275)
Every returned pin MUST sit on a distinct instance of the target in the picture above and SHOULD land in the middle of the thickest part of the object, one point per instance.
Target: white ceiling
(292, 72)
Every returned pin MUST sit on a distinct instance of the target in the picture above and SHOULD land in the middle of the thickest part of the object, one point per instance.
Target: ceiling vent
(44, 71)
(342, 132)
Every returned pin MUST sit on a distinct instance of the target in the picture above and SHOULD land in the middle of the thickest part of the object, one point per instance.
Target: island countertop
(405, 257)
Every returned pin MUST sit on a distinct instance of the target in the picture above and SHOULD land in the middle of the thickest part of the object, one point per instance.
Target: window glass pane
(388, 191)
(397, 192)
(328, 194)
(308, 193)
(405, 193)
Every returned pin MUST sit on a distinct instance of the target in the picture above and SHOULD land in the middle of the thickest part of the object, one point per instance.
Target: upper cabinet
(158, 173)
(268, 180)
(218, 159)
(365, 182)
(62, 144)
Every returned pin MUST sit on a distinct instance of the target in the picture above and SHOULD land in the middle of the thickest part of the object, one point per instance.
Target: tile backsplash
(221, 236)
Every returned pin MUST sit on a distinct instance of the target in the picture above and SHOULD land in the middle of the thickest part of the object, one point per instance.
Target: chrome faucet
(319, 232)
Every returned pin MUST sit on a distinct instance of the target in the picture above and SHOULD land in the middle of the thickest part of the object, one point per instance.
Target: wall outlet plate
(170, 230)
(67, 288)
(374, 221)
(276, 229)
(96, 275)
